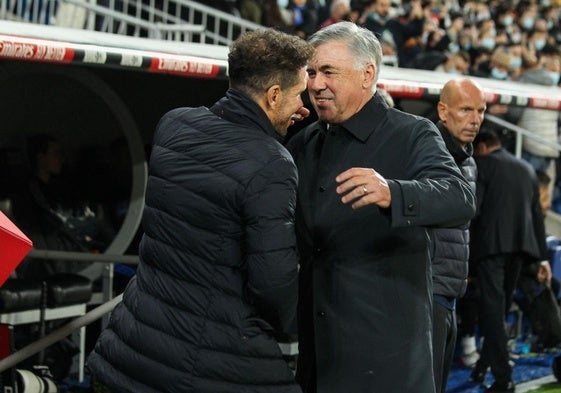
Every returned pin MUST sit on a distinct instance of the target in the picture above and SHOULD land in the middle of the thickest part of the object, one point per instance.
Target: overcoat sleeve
(437, 194)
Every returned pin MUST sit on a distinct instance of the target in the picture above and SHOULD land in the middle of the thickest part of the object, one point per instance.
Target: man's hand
(363, 186)
(544, 273)
(299, 115)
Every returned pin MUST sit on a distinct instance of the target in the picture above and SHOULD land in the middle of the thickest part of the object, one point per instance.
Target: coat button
(321, 313)
(410, 207)
(322, 189)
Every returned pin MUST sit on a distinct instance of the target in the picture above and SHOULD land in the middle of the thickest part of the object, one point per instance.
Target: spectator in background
(538, 37)
(304, 19)
(377, 18)
(218, 265)
(497, 67)
(516, 52)
(507, 232)
(49, 209)
(543, 123)
(449, 41)
(276, 17)
(357, 11)
(527, 13)
(44, 194)
(457, 63)
(251, 10)
(339, 10)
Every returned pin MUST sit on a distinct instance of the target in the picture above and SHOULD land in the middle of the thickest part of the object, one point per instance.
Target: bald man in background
(460, 109)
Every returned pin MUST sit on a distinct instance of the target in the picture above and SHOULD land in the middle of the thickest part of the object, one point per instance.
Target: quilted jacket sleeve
(272, 262)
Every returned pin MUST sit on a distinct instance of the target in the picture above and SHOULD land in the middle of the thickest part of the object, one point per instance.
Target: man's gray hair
(361, 42)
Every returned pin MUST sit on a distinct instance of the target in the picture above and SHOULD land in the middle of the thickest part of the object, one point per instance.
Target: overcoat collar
(362, 124)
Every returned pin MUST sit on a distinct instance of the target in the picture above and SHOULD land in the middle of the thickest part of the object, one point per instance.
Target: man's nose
(316, 83)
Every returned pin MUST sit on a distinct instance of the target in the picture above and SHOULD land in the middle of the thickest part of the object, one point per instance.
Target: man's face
(291, 102)
(463, 114)
(461, 65)
(337, 89)
(52, 160)
(382, 7)
(545, 198)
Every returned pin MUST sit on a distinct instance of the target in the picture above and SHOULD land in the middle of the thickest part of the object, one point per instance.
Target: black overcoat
(509, 218)
(365, 279)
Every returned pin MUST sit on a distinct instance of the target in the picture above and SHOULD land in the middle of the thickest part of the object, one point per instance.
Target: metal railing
(175, 20)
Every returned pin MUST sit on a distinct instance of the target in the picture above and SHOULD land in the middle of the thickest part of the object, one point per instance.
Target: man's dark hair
(38, 144)
(262, 58)
(487, 137)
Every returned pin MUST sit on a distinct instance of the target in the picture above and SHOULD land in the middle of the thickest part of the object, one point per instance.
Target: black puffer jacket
(218, 266)
(450, 246)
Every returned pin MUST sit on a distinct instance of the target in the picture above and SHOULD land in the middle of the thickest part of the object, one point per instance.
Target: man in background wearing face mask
(544, 70)
(497, 67)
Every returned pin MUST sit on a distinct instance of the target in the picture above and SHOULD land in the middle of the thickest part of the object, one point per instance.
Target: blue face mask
(555, 77)
(453, 47)
(496, 74)
(515, 63)
(528, 23)
(488, 43)
(453, 71)
(516, 38)
(507, 20)
(539, 44)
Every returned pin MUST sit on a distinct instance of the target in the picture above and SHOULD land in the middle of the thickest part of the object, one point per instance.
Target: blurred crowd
(495, 39)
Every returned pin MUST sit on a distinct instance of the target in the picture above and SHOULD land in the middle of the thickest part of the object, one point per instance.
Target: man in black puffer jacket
(218, 263)
(460, 109)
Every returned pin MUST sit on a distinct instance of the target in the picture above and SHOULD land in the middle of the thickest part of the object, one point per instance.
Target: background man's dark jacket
(502, 224)
(450, 246)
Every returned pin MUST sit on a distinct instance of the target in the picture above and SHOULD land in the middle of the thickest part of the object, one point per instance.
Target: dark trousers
(498, 275)
(444, 333)
(467, 309)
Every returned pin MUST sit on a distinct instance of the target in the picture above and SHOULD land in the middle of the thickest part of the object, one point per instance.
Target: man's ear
(369, 76)
(441, 109)
(273, 96)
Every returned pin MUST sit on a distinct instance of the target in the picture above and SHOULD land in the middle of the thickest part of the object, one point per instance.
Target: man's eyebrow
(324, 67)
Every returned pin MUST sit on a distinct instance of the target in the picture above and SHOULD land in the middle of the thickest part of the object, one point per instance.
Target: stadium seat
(60, 296)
